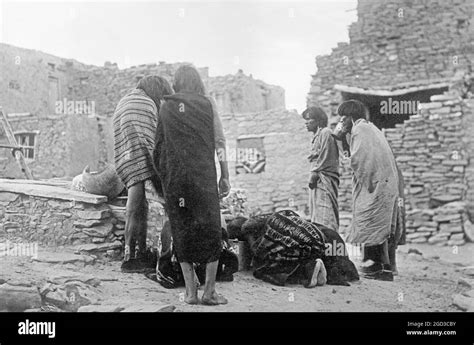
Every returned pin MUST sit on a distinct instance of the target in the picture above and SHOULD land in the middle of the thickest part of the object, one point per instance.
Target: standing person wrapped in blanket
(377, 190)
(135, 121)
(324, 177)
(186, 144)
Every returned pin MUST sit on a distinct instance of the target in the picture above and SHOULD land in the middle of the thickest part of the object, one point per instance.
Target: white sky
(276, 41)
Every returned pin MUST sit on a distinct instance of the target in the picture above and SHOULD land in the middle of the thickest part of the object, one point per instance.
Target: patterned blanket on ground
(289, 238)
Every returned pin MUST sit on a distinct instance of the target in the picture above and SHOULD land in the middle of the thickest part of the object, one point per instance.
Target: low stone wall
(83, 222)
(445, 225)
(442, 226)
(83, 226)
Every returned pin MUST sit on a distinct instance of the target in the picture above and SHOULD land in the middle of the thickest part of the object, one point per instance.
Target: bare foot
(314, 272)
(322, 275)
(214, 299)
(191, 299)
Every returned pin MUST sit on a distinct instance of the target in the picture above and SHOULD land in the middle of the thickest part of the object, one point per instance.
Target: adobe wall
(25, 77)
(286, 142)
(64, 146)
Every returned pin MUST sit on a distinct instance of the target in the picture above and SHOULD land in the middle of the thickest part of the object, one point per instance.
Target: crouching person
(287, 249)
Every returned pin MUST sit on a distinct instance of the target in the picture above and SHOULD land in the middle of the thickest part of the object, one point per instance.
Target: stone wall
(64, 145)
(26, 74)
(286, 142)
(431, 154)
(25, 79)
(468, 141)
(397, 42)
(233, 93)
(85, 227)
(51, 215)
(434, 152)
(241, 94)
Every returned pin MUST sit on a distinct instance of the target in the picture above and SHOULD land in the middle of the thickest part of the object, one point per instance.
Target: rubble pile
(235, 204)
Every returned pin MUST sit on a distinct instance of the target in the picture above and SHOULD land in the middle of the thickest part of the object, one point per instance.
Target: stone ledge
(49, 191)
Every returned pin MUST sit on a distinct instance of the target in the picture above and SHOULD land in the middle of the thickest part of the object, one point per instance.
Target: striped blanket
(135, 122)
(287, 244)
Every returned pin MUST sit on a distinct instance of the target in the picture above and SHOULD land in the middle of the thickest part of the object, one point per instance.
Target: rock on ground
(100, 309)
(149, 308)
(463, 302)
(18, 298)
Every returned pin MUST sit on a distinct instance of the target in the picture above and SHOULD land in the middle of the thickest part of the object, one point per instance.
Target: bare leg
(210, 296)
(191, 288)
(135, 201)
(142, 229)
(392, 248)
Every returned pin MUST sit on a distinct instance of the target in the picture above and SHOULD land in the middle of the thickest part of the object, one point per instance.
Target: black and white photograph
(237, 157)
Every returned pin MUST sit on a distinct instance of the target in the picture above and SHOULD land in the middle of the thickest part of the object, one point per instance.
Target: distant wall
(286, 142)
(25, 80)
(29, 78)
(64, 146)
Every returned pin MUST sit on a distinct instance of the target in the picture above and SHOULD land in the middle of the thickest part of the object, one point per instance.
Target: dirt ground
(426, 283)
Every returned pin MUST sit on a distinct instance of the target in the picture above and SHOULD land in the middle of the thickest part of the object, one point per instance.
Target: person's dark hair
(155, 87)
(353, 108)
(187, 79)
(316, 113)
(234, 228)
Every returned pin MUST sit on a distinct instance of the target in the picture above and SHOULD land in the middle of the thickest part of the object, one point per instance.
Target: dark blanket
(184, 159)
(284, 245)
(288, 244)
(169, 274)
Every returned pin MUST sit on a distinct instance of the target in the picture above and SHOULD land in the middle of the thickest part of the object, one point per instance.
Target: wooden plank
(65, 184)
(11, 139)
(387, 93)
(50, 192)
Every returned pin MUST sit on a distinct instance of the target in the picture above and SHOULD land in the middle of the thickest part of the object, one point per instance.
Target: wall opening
(250, 158)
(387, 111)
(27, 141)
(53, 93)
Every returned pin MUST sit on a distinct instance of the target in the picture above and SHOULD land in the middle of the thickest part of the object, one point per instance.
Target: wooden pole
(11, 139)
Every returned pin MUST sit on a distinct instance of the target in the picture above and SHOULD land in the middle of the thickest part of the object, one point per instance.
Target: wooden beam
(57, 183)
(11, 139)
(50, 192)
(388, 93)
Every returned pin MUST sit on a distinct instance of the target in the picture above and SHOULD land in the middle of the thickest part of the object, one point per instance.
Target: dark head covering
(187, 79)
(155, 87)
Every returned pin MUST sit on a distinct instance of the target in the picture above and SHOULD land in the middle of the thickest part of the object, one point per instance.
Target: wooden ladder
(18, 153)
